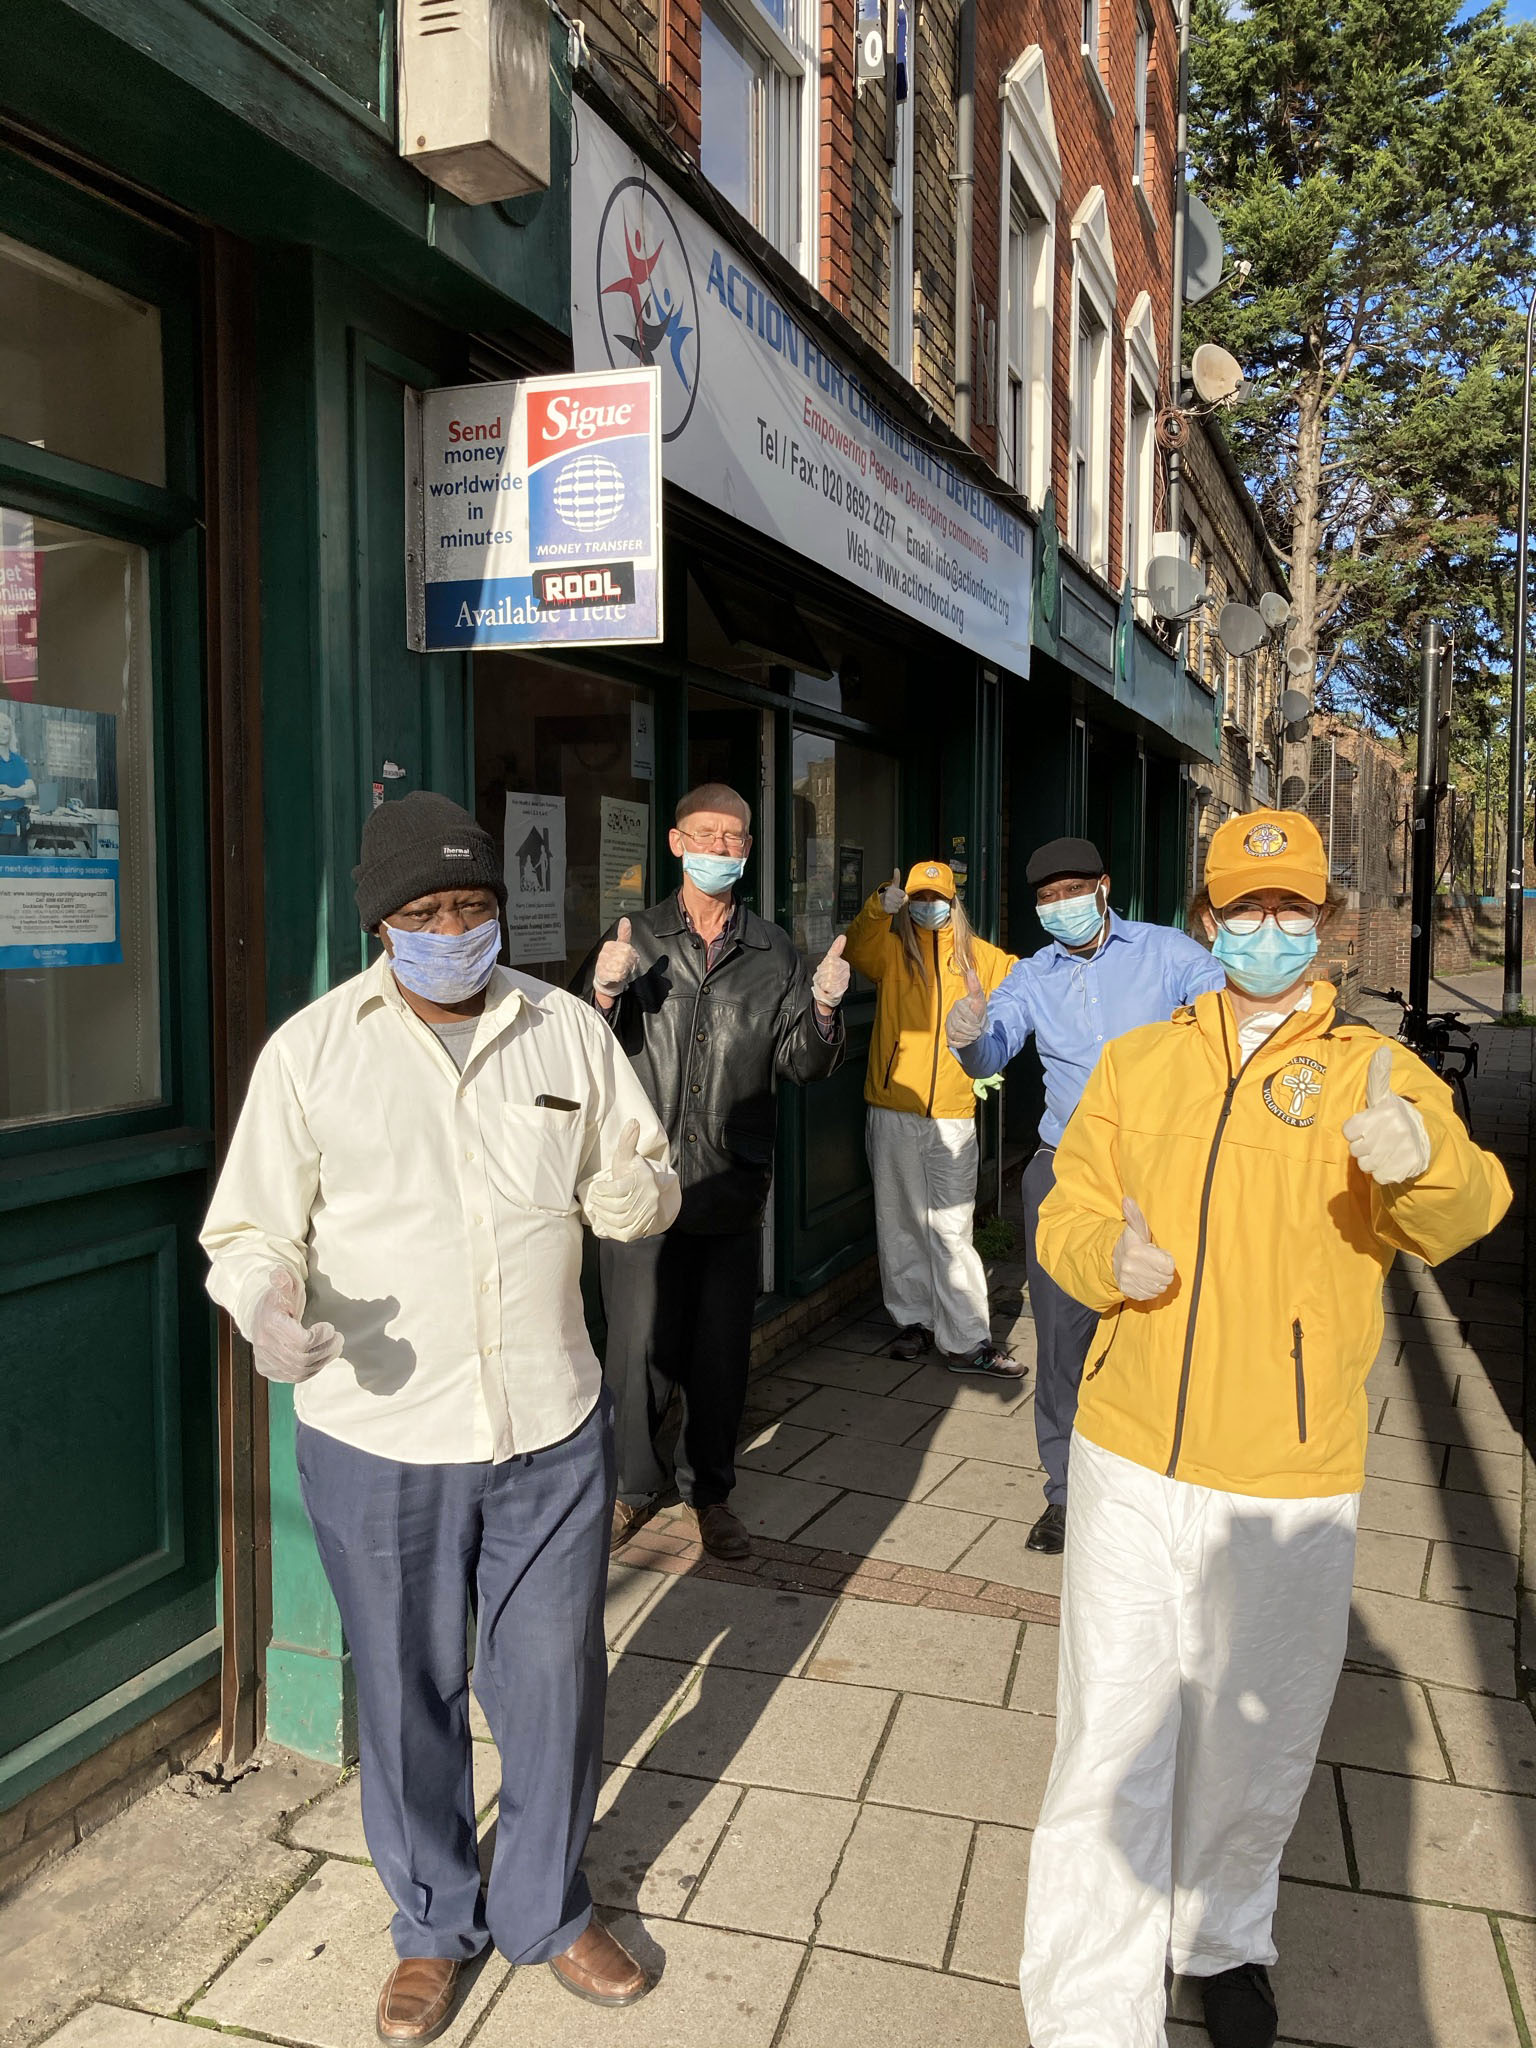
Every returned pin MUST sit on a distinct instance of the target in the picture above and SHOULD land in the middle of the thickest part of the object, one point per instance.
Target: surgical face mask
(1265, 962)
(714, 873)
(445, 967)
(930, 915)
(1075, 920)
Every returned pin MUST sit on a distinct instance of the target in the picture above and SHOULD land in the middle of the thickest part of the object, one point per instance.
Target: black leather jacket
(709, 1049)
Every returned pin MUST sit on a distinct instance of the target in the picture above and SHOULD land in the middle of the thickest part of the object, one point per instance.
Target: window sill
(1145, 204)
(1095, 78)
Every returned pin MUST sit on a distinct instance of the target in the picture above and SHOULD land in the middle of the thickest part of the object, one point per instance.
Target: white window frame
(1140, 483)
(903, 295)
(791, 82)
(1091, 46)
(1139, 127)
(1095, 285)
(1031, 166)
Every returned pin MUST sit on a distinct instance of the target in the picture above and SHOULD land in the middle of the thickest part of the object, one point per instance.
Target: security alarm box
(474, 95)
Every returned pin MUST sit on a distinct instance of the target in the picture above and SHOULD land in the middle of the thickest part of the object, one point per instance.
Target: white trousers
(924, 1171)
(1201, 1640)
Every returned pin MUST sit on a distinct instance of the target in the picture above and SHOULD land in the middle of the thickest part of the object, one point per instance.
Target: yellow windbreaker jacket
(910, 1066)
(1248, 1376)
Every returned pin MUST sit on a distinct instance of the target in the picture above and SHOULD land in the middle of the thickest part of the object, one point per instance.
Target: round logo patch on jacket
(1265, 841)
(1292, 1094)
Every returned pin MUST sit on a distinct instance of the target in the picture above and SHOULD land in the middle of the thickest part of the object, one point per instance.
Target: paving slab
(1003, 1554)
(963, 1394)
(630, 1591)
(1476, 1395)
(1493, 1472)
(791, 1733)
(313, 1973)
(1383, 1724)
(774, 1507)
(867, 1467)
(1015, 1492)
(1034, 1679)
(1449, 1843)
(774, 1864)
(845, 1998)
(895, 1890)
(885, 1422)
(1413, 1459)
(777, 1391)
(642, 1691)
(1316, 1847)
(983, 1763)
(1487, 1523)
(334, 1823)
(1520, 1945)
(999, 1439)
(900, 1532)
(918, 1650)
(1461, 1576)
(111, 2026)
(1490, 1742)
(857, 1372)
(715, 1989)
(1474, 1427)
(990, 1938)
(776, 1447)
(1439, 1643)
(1390, 1564)
(653, 1835)
(866, 1333)
(705, 1621)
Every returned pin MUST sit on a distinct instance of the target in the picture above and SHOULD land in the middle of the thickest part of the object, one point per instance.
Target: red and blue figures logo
(647, 305)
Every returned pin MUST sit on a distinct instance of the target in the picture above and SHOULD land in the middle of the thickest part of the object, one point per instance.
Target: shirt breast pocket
(535, 1158)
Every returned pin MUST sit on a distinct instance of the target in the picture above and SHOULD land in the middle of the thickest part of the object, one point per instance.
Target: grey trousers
(1063, 1332)
(405, 1548)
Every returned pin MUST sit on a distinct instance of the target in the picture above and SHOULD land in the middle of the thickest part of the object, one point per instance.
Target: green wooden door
(108, 1504)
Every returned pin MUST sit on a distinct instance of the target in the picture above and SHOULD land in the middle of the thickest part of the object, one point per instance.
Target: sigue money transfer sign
(535, 512)
(763, 419)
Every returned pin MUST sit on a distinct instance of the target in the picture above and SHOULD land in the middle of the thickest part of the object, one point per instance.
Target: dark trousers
(402, 1546)
(1063, 1332)
(679, 1312)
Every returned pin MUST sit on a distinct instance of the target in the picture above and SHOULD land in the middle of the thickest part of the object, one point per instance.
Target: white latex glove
(624, 1201)
(1143, 1270)
(617, 965)
(893, 896)
(1387, 1137)
(284, 1349)
(968, 1018)
(830, 982)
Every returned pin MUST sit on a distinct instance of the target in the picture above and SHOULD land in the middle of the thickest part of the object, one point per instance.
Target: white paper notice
(58, 910)
(535, 857)
(626, 830)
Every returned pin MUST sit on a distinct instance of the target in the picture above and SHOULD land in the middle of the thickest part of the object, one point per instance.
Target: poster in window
(535, 871)
(59, 902)
(623, 843)
(20, 567)
(850, 883)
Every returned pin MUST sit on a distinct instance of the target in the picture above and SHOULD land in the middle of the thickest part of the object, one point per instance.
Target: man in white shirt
(416, 1155)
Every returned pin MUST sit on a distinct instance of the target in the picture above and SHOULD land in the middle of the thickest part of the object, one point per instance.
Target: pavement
(824, 1768)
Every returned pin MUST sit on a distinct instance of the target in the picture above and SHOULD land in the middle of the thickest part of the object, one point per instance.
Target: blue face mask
(930, 915)
(1076, 921)
(446, 967)
(714, 873)
(1265, 962)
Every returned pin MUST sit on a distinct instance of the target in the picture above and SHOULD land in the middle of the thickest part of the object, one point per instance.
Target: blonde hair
(917, 959)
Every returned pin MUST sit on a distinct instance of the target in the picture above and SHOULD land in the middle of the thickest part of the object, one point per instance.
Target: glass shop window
(843, 841)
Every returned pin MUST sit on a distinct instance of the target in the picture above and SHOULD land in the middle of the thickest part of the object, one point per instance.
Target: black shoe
(1050, 1533)
(913, 1342)
(1240, 2007)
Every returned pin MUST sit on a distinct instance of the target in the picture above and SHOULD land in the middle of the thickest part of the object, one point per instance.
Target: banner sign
(764, 419)
(534, 512)
(58, 837)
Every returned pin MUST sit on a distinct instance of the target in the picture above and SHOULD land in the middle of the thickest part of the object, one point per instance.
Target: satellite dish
(1298, 660)
(1293, 706)
(1240, 629)
(1204, 253)
(1175, 587)
(1273, 610)
(1216, 375)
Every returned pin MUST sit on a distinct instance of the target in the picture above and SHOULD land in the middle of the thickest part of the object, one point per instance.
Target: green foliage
(1375, 162)
(995, 1238)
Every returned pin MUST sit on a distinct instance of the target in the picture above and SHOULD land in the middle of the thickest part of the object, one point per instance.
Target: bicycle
(1440, 1039)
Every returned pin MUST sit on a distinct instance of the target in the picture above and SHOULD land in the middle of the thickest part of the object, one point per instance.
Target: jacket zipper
(1199, 1273)
(938, 1029)
(1301, 1382)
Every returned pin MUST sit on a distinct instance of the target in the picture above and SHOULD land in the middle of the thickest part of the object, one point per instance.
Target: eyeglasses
(712, 842)
(1242, 920)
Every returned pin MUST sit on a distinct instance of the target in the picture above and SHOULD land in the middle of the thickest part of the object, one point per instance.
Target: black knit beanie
(416, 845)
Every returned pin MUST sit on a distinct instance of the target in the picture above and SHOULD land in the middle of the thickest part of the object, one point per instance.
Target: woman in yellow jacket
(1229, 1197)
(915, 944)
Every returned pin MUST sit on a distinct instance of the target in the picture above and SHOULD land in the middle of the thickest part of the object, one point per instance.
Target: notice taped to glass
(533, 512)
(58, 838)
(623, 839)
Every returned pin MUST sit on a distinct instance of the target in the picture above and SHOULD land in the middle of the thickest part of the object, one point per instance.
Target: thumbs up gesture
(617, 965)
(1387, 1137)
(626, 1200)
(968, 1018)
(1143, 1270)
(893, 896)
(830, 982)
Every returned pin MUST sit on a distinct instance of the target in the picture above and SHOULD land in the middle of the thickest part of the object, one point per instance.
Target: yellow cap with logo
(1266, 850)
(937, 875)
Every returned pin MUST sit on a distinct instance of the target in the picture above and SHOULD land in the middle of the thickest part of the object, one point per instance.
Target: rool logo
(647, 305)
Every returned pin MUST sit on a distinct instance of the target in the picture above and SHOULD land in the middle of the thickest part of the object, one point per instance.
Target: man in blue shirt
(1101, 975)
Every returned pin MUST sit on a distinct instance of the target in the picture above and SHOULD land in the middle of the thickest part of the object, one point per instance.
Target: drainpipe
(1176, 306)
(965, 210)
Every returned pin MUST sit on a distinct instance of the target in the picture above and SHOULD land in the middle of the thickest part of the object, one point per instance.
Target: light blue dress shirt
(1075, 1003)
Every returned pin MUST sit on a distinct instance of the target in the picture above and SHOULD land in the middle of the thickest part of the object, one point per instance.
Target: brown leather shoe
(721, 1534)
(627, 1517)
(416, 2003)
(600, 1969)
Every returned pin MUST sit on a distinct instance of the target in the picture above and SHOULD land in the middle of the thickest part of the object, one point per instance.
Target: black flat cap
(1060, 857)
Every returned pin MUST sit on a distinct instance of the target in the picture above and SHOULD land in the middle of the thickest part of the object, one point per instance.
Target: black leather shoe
(1240, 2008)
(1050, 1533)
(912, 1342)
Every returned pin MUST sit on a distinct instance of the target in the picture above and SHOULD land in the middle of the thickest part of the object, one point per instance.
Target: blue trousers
(1063, 1332)
(406, 1548)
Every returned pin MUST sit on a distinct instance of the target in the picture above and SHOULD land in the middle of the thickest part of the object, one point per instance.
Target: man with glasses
(1101, 975)
(714, 1007)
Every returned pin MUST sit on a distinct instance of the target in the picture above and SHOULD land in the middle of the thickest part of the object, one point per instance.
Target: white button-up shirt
(432, 1216)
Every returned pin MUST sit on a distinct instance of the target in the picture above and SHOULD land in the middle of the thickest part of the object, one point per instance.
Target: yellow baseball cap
(1266, 850)
(932, 874)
